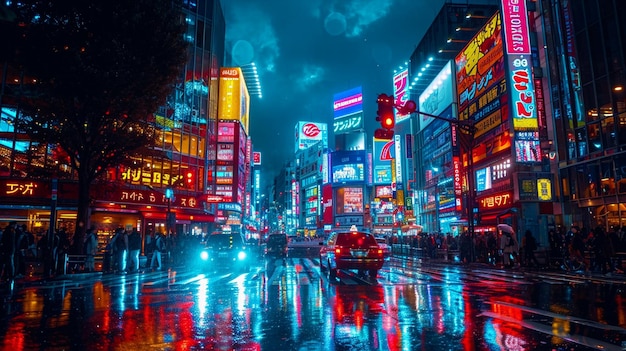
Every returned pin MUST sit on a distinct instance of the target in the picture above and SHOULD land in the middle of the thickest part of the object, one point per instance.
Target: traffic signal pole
(386, 117)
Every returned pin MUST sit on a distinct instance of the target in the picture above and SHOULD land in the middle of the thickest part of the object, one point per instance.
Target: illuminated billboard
(480, 64)
(234, 102)
(347, 166)
(256, 158)
(348, 111)
(384, 151)
(438, 96)
(309, 133)
(401, 92)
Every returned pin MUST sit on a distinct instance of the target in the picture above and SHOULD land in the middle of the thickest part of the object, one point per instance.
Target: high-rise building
(135, 196)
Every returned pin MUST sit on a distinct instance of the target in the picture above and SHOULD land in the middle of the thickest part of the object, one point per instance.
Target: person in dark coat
(9, 243)
(530, 245)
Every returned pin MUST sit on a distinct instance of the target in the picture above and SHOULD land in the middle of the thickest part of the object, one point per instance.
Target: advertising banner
(256, 158)
(480, 64)
(401, 92)
(348, 102)
(348, 166)
(438, 96)
(348, 110)
(327, 204)
(309, 133)
(234, 101)
(383, 155)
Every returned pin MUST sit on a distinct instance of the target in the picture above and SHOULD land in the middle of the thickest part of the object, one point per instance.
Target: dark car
(226, 251)
(276, 245)
(351, 250)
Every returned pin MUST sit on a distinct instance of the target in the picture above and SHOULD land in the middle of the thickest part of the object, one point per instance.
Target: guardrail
(76, 263)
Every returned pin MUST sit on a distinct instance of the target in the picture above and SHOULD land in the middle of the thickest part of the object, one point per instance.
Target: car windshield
(356, 239)
(381, 240)
(277, 239)
(222, 240)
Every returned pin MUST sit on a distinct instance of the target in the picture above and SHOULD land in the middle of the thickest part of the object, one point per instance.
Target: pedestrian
(134, 247)
(21, 248)
(530, 245)
(159, 248)
(8, 251)
(90, 249)
(509, 247)
(119, 245)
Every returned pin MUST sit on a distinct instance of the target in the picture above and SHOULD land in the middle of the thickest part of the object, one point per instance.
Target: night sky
(308, 50)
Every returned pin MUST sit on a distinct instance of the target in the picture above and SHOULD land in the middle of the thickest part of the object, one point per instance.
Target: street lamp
(169, 195)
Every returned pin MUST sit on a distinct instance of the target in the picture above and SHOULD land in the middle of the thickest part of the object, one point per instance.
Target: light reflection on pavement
(292, 305)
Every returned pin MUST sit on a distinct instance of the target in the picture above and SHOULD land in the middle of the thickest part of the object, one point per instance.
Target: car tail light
(337, 250)
(380, 251)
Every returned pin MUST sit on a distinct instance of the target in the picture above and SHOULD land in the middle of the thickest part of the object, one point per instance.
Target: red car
(382, 243)
(351, 250)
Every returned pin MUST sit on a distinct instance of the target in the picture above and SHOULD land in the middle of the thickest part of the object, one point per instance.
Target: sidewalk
(452, 259)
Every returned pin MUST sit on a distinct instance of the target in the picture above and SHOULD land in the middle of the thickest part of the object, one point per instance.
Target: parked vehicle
(353, 249)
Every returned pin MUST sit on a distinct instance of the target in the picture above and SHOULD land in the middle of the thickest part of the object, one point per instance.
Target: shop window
(608, 132)
(595, 137)
(607, 180)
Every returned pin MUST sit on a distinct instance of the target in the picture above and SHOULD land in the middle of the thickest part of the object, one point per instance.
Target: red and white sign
(311, 131)
(256, 158)
(385, 152)
(515, 22)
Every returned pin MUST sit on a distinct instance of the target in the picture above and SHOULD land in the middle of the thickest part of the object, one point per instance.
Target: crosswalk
(306, 271)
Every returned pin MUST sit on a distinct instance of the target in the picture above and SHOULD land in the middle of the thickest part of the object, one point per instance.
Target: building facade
(136, 195)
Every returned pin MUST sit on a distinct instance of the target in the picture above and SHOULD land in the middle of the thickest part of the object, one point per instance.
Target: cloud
(251, 37)
(352, 17)
(308, 76)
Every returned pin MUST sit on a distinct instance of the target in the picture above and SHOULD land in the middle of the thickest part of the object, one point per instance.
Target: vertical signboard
(234, 98)
(401, 92)
(398, 158)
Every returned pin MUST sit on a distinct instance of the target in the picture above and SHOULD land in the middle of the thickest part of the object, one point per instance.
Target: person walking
(530, 245)
(91, 248)
(159, 248)
(134, 246)
(509, 247)
(119, 245)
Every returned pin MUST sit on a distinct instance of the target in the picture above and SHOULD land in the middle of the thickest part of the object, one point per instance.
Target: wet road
(291, 305)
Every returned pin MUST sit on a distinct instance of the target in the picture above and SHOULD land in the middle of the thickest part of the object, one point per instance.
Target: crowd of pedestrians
(575, 249)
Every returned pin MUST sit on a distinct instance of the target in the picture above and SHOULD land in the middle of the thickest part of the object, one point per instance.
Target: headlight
(241, 255)
(204, 255)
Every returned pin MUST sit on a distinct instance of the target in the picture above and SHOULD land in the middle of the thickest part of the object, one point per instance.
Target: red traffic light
(386, 115)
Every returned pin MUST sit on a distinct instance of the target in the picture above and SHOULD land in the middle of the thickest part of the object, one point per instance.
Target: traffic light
(386, 115)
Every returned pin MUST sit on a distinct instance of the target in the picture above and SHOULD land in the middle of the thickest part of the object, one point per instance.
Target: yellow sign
(488, 123)
(234, 101)
(544, 189)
